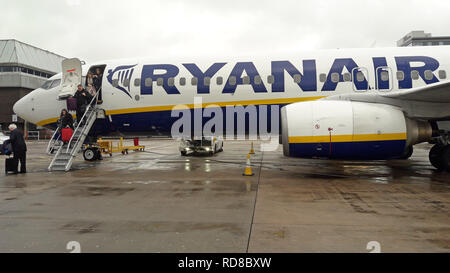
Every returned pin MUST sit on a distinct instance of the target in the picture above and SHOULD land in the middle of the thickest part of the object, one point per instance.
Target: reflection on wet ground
(159, 201)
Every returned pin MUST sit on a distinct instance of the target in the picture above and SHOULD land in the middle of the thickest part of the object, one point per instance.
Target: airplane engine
(348, 129)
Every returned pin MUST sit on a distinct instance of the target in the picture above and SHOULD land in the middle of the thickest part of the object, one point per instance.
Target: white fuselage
(139, 94)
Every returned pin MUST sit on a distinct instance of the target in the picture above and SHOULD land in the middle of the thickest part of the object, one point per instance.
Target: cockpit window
(55, 83)
(46, 85)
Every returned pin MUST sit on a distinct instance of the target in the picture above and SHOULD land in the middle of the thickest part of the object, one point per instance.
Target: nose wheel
(440, 157)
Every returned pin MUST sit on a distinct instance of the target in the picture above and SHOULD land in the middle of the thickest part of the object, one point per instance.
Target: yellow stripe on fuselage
(191, 106)
(347, 138)
(220, 104)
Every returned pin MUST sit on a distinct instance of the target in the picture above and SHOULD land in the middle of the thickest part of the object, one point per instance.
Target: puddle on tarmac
(143, 182)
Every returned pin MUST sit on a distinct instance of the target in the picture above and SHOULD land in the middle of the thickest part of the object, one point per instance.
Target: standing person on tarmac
(19, 148)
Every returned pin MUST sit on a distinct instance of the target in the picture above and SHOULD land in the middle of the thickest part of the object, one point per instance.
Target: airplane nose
(20, 109)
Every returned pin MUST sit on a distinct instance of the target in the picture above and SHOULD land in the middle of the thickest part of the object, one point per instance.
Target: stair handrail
(52, 141)
(84, 115)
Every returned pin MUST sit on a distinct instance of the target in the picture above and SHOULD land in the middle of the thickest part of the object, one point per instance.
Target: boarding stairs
(66, 152)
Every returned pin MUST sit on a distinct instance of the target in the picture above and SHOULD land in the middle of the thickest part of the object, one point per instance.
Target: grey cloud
(101, 29)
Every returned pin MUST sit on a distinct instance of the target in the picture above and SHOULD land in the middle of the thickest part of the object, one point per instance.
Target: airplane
(372, 104)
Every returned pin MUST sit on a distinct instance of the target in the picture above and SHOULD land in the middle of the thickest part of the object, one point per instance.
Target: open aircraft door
(71, 77)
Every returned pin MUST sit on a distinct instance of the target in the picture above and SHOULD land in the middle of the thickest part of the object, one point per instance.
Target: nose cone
(23, 109)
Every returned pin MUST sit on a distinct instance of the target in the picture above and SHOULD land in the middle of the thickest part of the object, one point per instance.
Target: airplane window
(171, 81)
(126, 82)
(384, 76)
(194, 81)
(115, 83)
(335, 77)
(148, 82)
(159, 81)
(400, 75)
(46, 85)
(55, 83)
(297, 78)
(207, 81)
(359, 76)
(258, 79)
(322, 77)
(428, 75)
(182, 81)
(137, 82)
(442, 74)
(232, 80)
(246, 80)
(347, 77)
(219, 80)
(415, 75)
(270, 79)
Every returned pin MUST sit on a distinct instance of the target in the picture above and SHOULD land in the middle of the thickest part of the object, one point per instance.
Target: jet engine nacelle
(348, 129)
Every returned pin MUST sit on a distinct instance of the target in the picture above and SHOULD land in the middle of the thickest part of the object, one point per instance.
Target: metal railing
(52, 141)
(80, 121)
(33, 134)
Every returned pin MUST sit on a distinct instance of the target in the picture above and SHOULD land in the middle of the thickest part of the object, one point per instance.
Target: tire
(89, 154)
(436, 157)
(183, 153)
(446, 158)
(98, 155)
(221, 148)
(407, 153)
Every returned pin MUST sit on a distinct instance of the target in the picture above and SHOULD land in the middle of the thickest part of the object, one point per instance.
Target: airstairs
(66, 152)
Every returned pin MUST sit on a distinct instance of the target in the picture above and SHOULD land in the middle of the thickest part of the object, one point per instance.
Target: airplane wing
(430, 102)
(437, 92)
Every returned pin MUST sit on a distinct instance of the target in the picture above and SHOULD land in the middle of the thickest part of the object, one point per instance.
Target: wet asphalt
(160, 201)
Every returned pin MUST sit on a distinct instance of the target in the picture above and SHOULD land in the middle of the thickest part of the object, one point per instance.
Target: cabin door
(71, 77)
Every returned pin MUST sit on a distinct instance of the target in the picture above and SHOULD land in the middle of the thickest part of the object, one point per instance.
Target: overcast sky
(108, 29)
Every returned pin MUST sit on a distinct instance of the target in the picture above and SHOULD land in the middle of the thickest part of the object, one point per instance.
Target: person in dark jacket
(66, 119)
(97, 79)
(19, 148)
(83, 99)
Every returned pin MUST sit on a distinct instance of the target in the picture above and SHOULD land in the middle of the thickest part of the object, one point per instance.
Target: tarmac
(160, 201)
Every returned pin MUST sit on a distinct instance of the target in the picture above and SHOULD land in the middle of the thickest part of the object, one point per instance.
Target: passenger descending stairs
(66, 152)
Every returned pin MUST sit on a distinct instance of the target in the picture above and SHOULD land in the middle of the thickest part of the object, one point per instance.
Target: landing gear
(407, 153)
(440, 157)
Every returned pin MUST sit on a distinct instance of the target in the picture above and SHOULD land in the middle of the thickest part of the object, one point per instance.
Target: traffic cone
(252, 151)
(248, 167)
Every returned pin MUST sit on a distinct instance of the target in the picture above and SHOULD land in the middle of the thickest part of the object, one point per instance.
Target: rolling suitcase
(66, 134)
(9, 165)
(71, 104)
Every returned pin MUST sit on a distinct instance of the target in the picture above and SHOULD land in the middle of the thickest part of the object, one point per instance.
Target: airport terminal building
(23, 68)
(421, 38)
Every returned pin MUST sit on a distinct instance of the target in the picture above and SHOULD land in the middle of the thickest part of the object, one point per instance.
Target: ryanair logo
(120, 78)
(304, 73)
